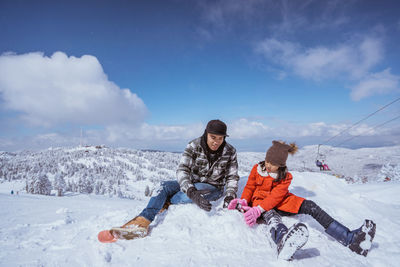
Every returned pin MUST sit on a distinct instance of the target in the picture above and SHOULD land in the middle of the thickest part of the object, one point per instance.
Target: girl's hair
(282, 172)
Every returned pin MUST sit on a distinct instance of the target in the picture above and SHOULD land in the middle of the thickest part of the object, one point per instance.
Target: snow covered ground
(356, 165)
(38, 230)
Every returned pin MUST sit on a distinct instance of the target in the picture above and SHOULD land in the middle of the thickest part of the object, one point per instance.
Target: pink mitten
(237, 202)
(251, 215)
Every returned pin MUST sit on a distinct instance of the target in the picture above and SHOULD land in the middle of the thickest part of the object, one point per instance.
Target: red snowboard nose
(106, 237)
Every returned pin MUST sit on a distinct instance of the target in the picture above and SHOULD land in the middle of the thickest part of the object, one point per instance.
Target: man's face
(214, 141)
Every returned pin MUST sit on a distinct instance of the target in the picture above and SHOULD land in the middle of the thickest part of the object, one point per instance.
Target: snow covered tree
(39, 184)
(85, 185)
(99, 188)
(89, 185)
(59, 184)
(82, 185)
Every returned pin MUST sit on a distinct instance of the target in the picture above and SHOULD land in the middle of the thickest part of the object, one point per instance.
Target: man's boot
(138, 227)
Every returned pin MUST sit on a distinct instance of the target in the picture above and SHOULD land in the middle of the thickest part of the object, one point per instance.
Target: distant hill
(129, 173)
(355, 165)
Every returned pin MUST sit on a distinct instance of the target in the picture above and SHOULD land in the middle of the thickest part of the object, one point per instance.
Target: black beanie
(216, 127)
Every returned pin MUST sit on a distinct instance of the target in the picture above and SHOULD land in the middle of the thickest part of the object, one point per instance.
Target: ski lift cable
(386, 122)
(370, 115)
(369, 130)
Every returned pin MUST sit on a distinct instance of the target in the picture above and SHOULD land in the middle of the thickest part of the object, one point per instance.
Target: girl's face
(271, 167)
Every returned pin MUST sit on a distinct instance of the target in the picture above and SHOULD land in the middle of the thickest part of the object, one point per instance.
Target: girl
(266, 197)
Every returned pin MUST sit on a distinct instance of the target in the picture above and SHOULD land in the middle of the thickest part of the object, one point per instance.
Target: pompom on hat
(277, 154)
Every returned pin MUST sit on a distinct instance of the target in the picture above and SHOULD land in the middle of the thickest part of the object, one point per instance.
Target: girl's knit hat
(277, 154)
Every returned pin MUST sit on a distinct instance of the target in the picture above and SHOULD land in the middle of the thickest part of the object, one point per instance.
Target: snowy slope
(40, 230)
(356, 165)
(127, 172)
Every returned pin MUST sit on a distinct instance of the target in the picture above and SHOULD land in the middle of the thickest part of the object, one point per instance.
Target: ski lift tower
(80, 141)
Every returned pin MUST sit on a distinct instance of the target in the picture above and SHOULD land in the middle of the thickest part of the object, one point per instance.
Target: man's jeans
(172, 191)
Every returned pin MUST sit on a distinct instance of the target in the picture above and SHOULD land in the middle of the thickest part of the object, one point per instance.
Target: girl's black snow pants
(310, 208)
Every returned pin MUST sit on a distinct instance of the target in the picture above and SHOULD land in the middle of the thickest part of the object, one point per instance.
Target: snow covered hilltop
(40, 230)
(87, 170)
(127, 172)
(355, 165)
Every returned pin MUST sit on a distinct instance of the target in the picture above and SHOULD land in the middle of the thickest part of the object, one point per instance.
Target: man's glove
(196, 196)
(227, 200)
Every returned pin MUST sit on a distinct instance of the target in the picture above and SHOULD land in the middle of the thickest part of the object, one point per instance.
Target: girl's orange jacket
(262, 190)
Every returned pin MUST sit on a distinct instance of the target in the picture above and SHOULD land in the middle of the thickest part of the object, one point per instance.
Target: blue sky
(150, 74)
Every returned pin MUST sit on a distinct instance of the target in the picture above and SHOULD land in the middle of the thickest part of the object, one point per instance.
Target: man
(207, 165)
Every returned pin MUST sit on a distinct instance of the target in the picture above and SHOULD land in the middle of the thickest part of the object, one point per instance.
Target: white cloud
(312, 129)
(153, 133)
(54, 90)
(246, 134)
(245, 129)
(222, 15)
(376, 83)
(279, 17)
(352, 60)
(249, 129)
(278, 51)
(4, 143)
(363, 129)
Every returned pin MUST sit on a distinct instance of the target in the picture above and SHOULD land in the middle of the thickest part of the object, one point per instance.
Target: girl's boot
(287, 241)
(359, 240)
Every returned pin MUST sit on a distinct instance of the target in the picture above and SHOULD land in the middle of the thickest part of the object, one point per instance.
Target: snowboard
(295, 238)
(116, 233)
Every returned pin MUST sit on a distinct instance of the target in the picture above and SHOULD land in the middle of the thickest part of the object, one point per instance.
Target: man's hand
(196, 196)
(227, 200)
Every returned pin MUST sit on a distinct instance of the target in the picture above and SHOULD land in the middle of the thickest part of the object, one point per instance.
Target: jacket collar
(263, 172)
